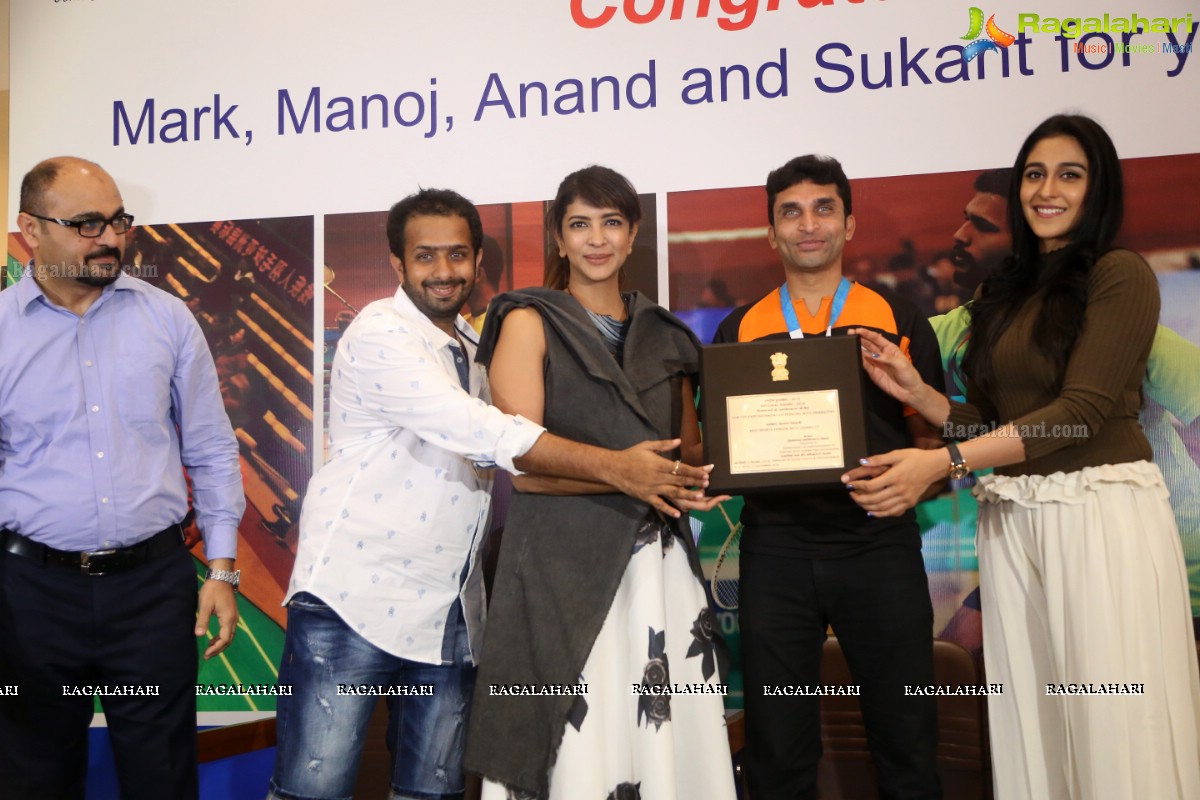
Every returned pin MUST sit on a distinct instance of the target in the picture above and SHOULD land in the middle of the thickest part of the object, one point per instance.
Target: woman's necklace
(624, 313)
(611, 330)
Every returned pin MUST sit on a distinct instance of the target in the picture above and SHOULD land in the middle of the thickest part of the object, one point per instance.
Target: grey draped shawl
(562, 558)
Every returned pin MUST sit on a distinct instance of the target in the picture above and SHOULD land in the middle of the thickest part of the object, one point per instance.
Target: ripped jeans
(321, 726)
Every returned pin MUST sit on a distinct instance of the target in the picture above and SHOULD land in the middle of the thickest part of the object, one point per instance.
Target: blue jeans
(321, 732)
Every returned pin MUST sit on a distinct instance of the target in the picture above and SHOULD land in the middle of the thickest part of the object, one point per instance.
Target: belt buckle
(85, 561)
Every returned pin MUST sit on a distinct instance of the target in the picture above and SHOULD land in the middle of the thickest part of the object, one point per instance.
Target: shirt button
(103, 499)
(87, 363)
(95, 408)
(99, 454)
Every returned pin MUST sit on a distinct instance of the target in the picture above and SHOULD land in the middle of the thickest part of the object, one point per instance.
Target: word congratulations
(734, 15)
(1071, 27)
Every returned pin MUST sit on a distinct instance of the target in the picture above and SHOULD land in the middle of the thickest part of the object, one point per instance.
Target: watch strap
(958, 464)
(231, 576)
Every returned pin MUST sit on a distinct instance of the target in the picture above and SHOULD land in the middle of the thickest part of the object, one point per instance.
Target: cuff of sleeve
(221, 543)
(1049, 429)
(965, 422)
(515, 442)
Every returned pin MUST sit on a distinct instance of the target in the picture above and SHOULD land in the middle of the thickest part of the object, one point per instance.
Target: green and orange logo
(995, 39)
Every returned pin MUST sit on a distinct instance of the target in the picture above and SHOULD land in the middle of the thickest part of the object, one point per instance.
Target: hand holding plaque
(782, 413)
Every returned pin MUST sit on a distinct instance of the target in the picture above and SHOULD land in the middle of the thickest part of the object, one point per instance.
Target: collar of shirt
(466, 344)
(404, 306)
(29, 291)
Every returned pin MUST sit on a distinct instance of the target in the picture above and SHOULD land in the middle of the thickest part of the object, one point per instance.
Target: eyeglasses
(94, 227)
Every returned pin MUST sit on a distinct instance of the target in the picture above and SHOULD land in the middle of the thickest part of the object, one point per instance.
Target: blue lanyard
(835, 308)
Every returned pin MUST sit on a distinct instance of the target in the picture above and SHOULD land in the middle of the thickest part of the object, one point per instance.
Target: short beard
(429, 309)
(98, 281)
(102, 280)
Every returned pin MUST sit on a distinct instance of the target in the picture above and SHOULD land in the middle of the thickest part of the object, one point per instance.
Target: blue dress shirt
(100, 413)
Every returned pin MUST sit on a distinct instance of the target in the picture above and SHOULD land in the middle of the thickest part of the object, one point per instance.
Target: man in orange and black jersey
(814, 558)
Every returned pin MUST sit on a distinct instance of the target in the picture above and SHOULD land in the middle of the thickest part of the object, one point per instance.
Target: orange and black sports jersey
(826, 523)
(864, 308)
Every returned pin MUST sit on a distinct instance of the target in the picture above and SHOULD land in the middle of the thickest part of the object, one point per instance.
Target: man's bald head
(37, 181)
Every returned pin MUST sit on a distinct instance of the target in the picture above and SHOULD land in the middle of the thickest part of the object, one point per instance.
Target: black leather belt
(95, 562)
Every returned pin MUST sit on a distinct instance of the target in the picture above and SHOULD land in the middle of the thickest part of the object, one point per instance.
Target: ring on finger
(675, 469)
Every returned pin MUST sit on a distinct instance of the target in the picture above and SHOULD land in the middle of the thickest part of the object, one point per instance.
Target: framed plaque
(781, 413)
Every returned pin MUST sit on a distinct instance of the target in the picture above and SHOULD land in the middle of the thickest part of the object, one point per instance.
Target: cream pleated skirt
(1087, 624)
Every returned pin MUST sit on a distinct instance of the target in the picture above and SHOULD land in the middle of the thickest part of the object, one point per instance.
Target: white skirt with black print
(652, 723)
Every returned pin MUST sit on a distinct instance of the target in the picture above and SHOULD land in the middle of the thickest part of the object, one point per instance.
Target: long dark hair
(1065, 288)
(597, 186)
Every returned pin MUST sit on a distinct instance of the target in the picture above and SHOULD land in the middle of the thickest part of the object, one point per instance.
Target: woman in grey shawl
(599, 673)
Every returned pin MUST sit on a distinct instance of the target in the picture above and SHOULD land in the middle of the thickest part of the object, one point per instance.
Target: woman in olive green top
(1083, 585)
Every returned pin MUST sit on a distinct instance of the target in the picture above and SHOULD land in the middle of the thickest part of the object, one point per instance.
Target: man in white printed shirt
(386, 597)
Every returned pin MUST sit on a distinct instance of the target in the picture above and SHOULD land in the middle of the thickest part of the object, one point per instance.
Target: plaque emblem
(779, 362)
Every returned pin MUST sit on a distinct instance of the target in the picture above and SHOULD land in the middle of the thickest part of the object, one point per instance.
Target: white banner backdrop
(235, 110)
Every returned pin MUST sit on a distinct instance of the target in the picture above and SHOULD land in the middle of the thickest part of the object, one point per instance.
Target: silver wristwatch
(232, 577)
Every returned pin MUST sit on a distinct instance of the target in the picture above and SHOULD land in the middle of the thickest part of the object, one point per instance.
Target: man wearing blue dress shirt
(107, 392)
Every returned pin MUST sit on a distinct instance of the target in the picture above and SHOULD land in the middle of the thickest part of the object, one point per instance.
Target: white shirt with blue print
(403, 502)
